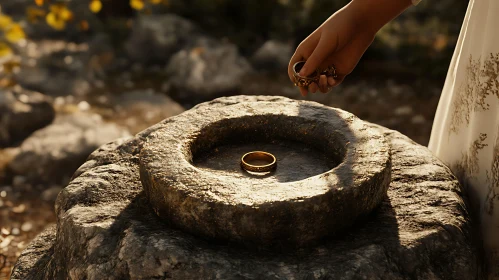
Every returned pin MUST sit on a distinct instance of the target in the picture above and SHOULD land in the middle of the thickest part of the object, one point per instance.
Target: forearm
(374, 14)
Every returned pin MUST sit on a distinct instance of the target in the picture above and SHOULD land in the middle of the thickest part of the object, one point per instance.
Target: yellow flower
(39, 2)
(95, 6)
(34, 14)
(5, 50)
(137, 4)
(58, 16)
(155, 2)
(62, 11)
(55, 22)
(5, 21)
(15, 33)
(11, 66)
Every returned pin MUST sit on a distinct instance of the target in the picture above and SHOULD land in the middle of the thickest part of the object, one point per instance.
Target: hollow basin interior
(303, 147)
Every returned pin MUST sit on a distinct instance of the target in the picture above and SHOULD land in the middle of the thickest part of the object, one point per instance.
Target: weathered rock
(107, 229)
(53, 82)
(155, 38)
(21, 113)
(207, 69)
(41, 249)
(261, 211)
(272, 56)
(52, 154)
(140, 109)
(67, 68)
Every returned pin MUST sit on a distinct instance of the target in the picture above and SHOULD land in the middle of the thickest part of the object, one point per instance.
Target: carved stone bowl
(331, 170)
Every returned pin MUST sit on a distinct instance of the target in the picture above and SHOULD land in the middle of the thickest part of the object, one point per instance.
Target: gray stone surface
(155, 38)
(255, 211)
(107, 230)
(52, 154)
(63, 69)
(21, 113)
(138, 109)
(206, 69)
(272, 56)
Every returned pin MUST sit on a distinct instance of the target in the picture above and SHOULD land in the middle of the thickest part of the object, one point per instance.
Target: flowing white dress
(465, 132)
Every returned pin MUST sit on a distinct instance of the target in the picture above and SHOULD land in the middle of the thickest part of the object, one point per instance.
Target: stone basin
(331, 170)
(106, 228)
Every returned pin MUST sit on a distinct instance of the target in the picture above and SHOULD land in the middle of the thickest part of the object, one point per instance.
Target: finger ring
(304, 81)
(330, 72)
(258, 161)
(312, 78)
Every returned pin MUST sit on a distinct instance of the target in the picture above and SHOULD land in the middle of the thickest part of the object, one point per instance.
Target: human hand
(340, 41)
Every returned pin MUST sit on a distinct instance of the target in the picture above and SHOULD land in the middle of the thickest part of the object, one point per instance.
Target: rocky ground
(71, 98)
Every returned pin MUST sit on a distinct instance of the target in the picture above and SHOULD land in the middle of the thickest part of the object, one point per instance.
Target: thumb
(316, 58)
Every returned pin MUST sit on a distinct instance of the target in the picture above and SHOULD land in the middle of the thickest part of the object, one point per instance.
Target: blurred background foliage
(420, 41)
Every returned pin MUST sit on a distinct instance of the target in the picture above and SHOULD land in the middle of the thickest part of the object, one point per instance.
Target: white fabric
(465, 132)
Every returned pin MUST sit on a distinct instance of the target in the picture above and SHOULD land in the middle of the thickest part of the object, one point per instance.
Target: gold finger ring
(258, 161)
(330, 72)
(312, 78)
(304, 81)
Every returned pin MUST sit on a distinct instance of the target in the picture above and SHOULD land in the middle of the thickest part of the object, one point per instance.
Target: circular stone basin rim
(295, 213)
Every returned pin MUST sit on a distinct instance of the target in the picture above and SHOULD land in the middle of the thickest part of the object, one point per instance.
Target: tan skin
(342, 40)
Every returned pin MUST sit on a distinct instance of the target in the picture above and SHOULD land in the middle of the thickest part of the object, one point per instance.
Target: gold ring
(312, 78)
(269, 160)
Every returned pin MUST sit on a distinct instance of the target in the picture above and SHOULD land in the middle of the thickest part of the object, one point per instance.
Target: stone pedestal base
(107, 229)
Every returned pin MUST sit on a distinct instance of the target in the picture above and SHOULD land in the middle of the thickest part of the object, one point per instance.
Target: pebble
(418, 119)
(68, 59)
(83, 106)
(18, 180)
(403, 110)
(6, 241)
(5, 231)
(19, 208)
(15, 231)
(27, 226)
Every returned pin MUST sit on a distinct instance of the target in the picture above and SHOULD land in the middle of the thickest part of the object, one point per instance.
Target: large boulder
(62, 68)
(108, 230)
(139, 109)
(52, 154)
(273, 55)
(54, 81)
(155, 38)
(205, 70)
(21, 113)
